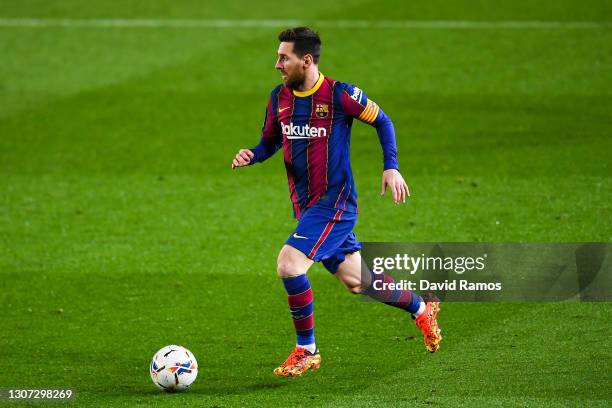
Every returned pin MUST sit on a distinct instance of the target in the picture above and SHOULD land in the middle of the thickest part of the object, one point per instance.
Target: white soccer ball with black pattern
(174, 368)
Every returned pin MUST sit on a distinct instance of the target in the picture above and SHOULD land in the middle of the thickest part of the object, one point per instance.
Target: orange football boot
(299, 361)
(427, 323)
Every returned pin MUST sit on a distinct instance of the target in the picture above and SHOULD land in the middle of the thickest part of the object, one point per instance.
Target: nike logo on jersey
(283, 109)
(298, 236)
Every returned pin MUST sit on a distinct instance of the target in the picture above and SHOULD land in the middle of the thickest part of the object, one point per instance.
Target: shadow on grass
(218, 389)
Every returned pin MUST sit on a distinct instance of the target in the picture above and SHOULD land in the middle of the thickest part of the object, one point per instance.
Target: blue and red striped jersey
(314, 128)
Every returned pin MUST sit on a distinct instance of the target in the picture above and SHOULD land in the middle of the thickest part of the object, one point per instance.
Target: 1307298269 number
(64, 394)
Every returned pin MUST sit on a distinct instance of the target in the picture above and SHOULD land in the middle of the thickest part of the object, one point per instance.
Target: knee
(287, 269)
(291, 262)
(354, 287)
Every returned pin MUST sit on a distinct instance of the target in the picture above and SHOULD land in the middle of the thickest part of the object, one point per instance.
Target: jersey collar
(312, 90)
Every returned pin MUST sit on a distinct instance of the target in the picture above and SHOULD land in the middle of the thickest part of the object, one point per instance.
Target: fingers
(401, 193)
(396, 193)
(404, 192)
(236, 163)
(245, 155)
(395, 186)
(398, 187)
(402, 188)
(239, 161)
(243, 158)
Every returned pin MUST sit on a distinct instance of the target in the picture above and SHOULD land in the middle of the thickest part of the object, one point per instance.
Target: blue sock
(302, 308)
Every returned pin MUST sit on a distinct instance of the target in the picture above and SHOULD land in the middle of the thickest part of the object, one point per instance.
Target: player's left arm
(356, 104)
(391, 177)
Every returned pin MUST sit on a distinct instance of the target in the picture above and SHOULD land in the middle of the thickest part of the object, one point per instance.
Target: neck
(312, 76)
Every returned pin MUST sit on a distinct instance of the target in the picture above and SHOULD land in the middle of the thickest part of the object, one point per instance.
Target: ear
(308, 60)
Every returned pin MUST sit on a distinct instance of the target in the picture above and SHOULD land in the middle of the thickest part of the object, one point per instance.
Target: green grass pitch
(123, 229)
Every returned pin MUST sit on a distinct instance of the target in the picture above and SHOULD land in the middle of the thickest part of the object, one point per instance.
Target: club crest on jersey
(322, 110)
(292, 131)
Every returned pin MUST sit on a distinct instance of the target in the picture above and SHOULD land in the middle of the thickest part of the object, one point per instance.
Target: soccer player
(310, 116)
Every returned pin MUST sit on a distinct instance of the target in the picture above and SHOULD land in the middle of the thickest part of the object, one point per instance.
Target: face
(291, 66)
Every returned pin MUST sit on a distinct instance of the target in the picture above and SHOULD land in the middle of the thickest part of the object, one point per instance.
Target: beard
(296, 80)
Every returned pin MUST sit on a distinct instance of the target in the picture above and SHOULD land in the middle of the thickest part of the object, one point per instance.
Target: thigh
(349, 271)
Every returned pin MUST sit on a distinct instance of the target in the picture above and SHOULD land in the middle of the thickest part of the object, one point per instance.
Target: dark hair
(305, 41)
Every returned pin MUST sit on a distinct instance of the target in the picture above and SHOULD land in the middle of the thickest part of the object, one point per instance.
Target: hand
(243, 158)
(396, 183)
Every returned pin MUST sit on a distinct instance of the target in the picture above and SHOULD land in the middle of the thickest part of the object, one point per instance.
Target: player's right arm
(271, 139)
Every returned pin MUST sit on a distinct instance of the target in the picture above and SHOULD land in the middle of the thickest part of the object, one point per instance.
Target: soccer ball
(173, 368)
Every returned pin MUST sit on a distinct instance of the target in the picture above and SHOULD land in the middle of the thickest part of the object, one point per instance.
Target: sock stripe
(404, 299)
(302, 312)
(306, 323)
(385, 295)
(301, 300)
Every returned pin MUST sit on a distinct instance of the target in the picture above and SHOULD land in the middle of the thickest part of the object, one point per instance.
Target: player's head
(298, 52)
